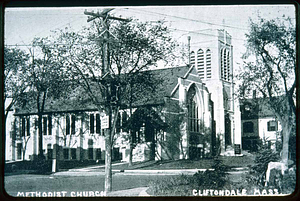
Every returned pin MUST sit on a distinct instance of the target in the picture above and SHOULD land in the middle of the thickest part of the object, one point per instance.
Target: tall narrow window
(92, 123)
(91, 153)
(208, 63)
(225, 64)
(49, 125)
(193, 111)
(222, 64)
(228, 67)
(45, 119)
(192, 58)
(73, 124)
(90, 149)
(67, 125)
(98, 124)
(23, 127)
(28, 126)
(200, 63)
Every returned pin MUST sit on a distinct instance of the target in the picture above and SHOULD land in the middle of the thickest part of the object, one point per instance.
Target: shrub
(172, 186)
(215, 179)
(288, 183)
(42, 165)
(258, 169)
(182, 185)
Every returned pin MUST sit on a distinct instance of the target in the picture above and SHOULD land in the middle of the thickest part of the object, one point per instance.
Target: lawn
(231, 161)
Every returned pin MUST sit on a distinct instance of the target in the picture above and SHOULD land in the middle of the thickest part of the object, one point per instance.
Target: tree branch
(87, 85)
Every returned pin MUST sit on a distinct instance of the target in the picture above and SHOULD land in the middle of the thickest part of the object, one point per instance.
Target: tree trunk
(130, 154)
(152, 146)
(286, 133)
(288, 121)
(40, 128)
(108, 166)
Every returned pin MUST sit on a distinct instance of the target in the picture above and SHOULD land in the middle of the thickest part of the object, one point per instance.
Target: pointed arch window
(193, 111)
(228, 67)
(225, 64)
(192, 58)
(208, 63)
(200, 63)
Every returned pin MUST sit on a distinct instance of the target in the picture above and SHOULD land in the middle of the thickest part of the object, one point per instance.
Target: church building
(193, 116)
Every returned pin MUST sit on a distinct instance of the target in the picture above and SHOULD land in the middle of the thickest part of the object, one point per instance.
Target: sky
(23, 24)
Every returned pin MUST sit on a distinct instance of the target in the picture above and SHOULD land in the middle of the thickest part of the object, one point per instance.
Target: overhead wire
(188, 31)
(151, 12)
(189, 19)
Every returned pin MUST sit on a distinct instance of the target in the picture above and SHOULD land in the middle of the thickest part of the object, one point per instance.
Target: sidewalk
(141, 191)
(91, 172)
(93, 167)
(128, 172)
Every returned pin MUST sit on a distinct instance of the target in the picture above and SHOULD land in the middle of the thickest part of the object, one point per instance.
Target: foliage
(14, 60)
(143, 115)
(132, 48)
(42, 166)
(288, 182)
(213, 179)
(258, 169)
(218, 144)
(171, 186)
(45, 78)
(256, 178)
(105, 59)
(271, 43)
(173, 117)
(182, 185)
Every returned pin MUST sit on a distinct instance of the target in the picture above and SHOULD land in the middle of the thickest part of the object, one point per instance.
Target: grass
(231, 161)
(240, 161)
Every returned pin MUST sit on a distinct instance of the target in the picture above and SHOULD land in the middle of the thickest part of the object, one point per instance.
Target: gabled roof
(80, 101)
(263, 109)
(170, 77)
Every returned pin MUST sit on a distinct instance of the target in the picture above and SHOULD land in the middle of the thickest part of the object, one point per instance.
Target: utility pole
(105, 70)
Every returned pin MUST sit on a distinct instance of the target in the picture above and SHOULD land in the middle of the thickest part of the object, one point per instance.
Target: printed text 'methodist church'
(196, 100)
